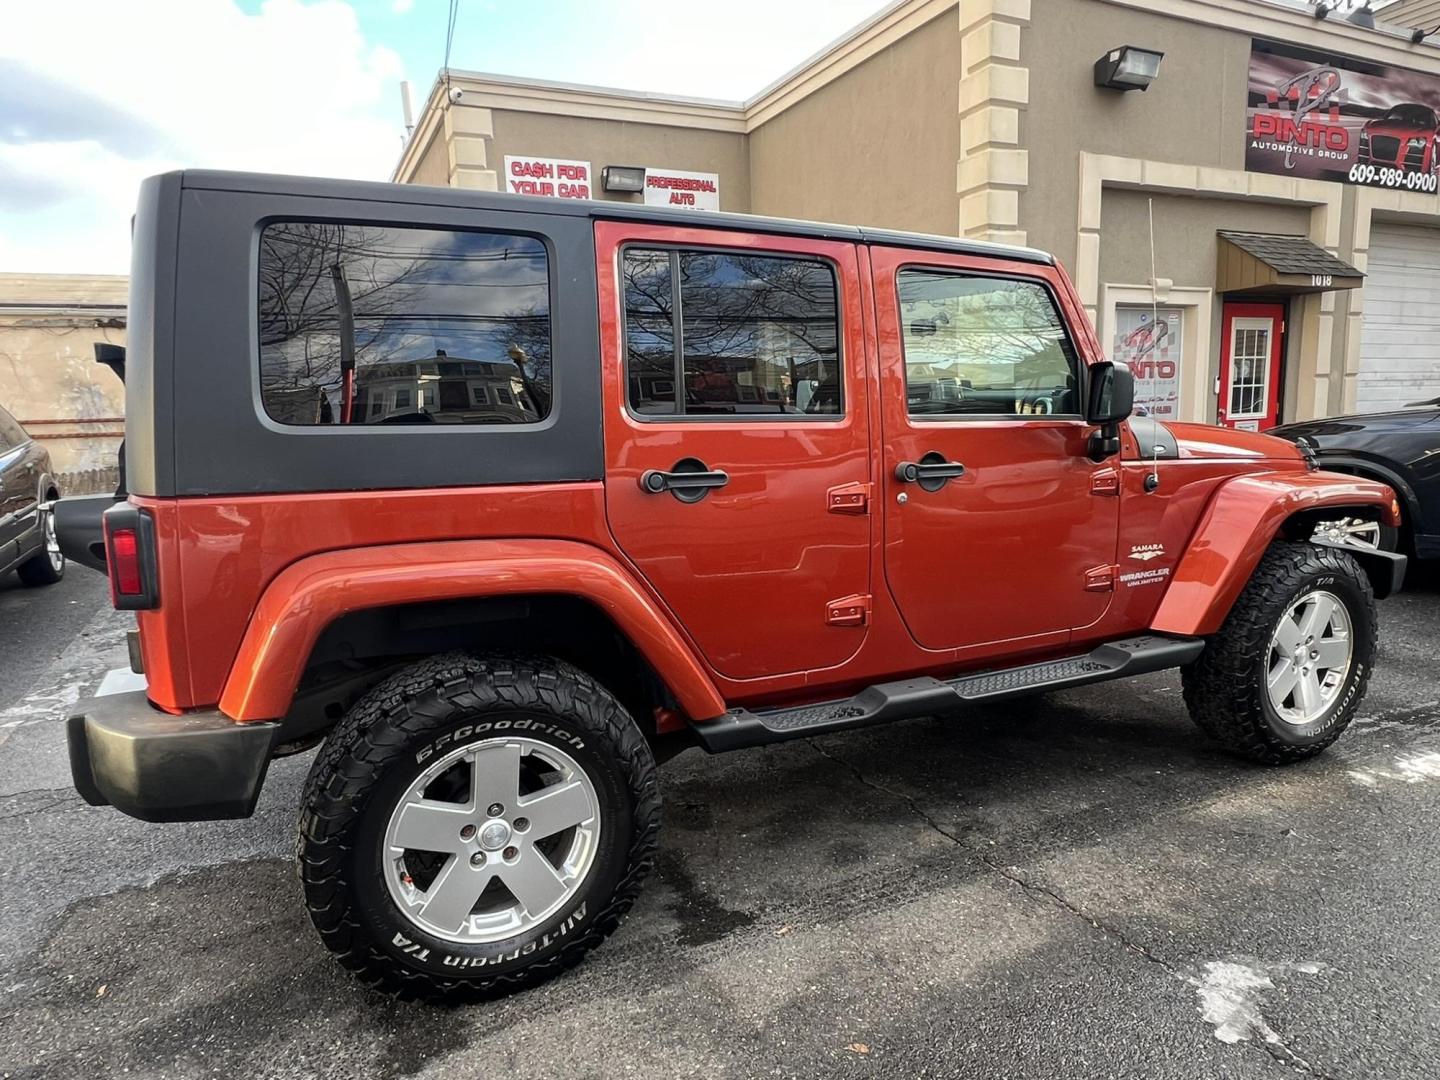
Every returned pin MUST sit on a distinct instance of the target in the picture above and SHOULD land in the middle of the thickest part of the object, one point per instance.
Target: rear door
(740, 358)
(998, 526)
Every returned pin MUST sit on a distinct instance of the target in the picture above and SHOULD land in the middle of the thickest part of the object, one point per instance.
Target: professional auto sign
(1333, 118)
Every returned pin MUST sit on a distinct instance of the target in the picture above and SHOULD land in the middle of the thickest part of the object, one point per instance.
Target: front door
(1251, 347)
(737, 473)
(998, 526)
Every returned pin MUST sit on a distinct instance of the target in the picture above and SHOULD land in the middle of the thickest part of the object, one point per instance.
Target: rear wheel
(46, 566)
(476, 825)
(1285, 674)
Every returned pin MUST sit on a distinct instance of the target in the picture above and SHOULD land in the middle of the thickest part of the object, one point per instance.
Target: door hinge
(1105, 482)
(848, 611)
(848, 499)
(1101, 578)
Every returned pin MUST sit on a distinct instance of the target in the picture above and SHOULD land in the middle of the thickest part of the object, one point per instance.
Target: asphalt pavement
(1077, 886)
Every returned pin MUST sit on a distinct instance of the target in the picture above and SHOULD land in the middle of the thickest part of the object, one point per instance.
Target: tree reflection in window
(758, 334)
(984, 345)
(380, 325)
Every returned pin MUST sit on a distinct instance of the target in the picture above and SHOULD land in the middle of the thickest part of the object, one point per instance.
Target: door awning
(1279, 265)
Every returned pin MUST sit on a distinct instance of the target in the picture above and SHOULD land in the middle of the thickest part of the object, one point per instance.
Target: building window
(1149, 341)
(757, 335)
(502, 396)
(984, 346)
(353, 317)
(478, 396)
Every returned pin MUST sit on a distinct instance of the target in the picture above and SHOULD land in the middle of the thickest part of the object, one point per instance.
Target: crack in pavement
(1275, 1047)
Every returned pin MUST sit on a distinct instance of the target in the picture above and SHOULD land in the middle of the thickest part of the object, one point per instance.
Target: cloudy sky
(97, 94)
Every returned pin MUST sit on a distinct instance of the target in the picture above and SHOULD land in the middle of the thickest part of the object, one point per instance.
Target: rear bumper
(201, 766)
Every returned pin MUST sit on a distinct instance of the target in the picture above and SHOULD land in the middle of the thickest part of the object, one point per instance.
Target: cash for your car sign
(1332, 118)
(1150, 348)
(675, 187)
(553, 177)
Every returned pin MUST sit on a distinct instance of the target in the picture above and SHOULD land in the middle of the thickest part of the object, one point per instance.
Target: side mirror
(1112, 399)
(1112, 394)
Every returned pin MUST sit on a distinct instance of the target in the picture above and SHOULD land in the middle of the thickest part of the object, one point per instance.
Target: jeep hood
(1193, 441)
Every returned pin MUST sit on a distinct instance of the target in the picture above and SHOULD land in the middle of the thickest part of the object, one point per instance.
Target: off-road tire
(371, 755)
(1225, 688)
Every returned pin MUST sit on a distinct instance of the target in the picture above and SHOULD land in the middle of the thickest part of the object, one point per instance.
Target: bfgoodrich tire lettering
(1226, 688)
(369, 761)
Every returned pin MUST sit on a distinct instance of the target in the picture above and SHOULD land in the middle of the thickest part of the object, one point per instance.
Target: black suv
(27, 490)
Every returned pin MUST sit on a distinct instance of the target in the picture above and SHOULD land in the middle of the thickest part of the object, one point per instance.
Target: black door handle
(688, 480)
(911, 472)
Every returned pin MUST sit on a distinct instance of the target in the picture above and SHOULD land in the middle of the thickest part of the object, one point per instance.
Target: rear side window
(984, 346)
(724, 334)
(366, 324)
(11, 433)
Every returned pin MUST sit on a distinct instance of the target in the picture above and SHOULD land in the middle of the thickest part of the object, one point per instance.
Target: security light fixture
(1362, 16)
(1358, 14)
(630, 178)
(1128, 68)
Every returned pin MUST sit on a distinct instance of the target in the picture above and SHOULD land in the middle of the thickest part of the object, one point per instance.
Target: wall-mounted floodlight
(1127, 68)
(630, 178)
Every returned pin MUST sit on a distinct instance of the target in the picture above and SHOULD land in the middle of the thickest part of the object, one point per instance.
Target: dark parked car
(1399, 448)
(27, 489)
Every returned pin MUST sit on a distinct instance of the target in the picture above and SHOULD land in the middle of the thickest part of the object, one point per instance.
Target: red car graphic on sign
(1404, 138)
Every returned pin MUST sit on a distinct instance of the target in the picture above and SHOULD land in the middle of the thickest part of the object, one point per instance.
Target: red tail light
(125, 572)
(130, 557)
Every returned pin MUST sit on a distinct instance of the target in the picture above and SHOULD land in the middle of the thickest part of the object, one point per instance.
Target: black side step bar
(925, 696)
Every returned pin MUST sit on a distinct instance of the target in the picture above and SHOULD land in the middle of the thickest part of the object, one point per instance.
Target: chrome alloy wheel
(1350, 532)
(491, 840)
(52, 543)
(1309, 658)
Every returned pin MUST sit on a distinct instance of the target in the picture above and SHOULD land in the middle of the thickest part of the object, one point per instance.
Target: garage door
(1400, 341)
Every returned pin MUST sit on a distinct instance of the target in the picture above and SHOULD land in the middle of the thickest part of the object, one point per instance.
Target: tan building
(1284, 158)
(49, 379)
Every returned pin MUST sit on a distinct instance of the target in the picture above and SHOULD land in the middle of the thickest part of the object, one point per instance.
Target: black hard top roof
(413, 194)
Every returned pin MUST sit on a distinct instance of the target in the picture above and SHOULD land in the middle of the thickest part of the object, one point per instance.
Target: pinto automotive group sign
(1332, 118)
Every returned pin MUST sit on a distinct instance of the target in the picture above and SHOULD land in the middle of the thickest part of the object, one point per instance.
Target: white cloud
(162, 84)
(401, 7)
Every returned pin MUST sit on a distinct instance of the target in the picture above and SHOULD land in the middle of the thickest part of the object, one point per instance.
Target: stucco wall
(49, 379)
(1194, 113)
(877, 146)
(1185, 243)
(434, 165)
(617, 142)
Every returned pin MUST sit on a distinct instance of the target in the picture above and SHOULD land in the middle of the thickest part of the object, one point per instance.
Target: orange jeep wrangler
(497, 500)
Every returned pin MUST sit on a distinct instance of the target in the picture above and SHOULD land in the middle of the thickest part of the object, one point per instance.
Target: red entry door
(1251, 345)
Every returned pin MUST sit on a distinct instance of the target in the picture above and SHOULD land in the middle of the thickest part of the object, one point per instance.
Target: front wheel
(1285, 674)
(1364, 533)
(475, 825)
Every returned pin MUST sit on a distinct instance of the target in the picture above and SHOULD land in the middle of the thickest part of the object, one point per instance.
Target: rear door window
(370, 324)
(11, 433)
(717, 334)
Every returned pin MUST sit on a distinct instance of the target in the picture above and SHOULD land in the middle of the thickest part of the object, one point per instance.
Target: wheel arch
(389, 585)
(1381, 472)
(1244, 516)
